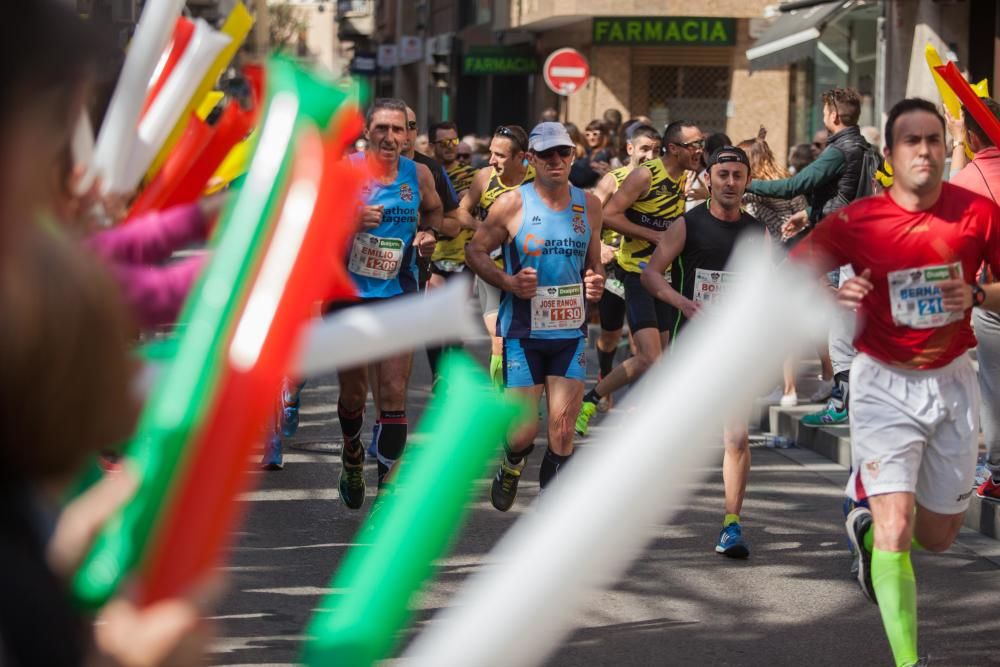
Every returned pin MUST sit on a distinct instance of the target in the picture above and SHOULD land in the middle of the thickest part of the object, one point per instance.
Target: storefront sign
(480, 61)
(665, 30)
(388, 56)
(411, 49)
(364, 63)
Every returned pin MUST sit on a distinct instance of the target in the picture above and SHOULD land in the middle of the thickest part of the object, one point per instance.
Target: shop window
(696, 93)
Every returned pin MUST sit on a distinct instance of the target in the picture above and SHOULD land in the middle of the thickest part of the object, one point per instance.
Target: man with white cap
(550, 235)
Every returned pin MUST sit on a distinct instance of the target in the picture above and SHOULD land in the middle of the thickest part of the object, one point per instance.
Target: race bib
(376, 257)
(710, 285)
(615, 286)
(916, 299)
(557, 307)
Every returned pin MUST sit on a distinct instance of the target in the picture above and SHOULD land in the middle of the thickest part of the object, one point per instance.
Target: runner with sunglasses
(643, 144)
(449, 252)
(648, 200)
(549, 232)
(507, 171)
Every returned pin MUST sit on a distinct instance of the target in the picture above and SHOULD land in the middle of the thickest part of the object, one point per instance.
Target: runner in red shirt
(915, 402)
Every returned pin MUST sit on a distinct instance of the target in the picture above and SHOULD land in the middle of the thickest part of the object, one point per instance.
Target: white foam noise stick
(118, 131)
(165, 111)
(366, 333)
(580, 539)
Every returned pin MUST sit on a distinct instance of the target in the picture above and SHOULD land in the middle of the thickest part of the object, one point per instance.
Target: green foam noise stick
(414, 524)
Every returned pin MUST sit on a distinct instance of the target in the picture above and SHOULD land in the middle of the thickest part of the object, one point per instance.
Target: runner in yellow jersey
(507, 170)
(448, 259)
(648, 200)
(643, 144)
(449, 254)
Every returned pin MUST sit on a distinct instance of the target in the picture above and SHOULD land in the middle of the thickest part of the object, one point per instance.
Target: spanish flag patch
(577, 208)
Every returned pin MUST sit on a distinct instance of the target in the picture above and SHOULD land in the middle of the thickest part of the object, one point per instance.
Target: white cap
(549, 135)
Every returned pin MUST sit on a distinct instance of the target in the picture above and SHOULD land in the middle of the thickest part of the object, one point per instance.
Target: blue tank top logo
(383, 261)
(554, 243)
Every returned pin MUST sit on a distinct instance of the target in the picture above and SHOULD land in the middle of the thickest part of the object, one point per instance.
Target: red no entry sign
(565, 71)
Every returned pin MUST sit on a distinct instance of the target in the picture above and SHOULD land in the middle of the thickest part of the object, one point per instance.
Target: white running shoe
(822, 392)
(789, 400)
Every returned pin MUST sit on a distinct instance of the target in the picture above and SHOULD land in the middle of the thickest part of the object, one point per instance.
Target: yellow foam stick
(237, 26)
(208, 103)
(233, 166)
(948, 97)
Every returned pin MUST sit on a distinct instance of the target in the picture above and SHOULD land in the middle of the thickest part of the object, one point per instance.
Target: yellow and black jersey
(460, 176)
(494, 188)
(610, 236)
(662, 203)
(449, 252)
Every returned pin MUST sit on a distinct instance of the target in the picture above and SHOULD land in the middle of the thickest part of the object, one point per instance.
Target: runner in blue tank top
(550, 234)
(382, 263)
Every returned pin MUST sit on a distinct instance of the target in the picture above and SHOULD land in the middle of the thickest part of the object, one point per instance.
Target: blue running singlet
(554, 243)
(382, 261)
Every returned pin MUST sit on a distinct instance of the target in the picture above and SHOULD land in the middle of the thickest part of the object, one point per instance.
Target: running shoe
(989, 490)
(834, 413)
(504, 488)
(822, 392)
(272, 459)
(606, 402)
(352, 479)
(587, 410)
(731, 542)
(789, 400)
(858, 522)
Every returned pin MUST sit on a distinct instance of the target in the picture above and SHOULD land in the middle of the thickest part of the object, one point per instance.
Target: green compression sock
(496, 370)
(896, 590)
(869, 541)
(730, 518)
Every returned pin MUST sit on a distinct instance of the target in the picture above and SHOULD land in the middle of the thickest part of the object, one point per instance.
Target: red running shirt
(900, 321)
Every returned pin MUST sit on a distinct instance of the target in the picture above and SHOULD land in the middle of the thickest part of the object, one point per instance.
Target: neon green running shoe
(587, 411)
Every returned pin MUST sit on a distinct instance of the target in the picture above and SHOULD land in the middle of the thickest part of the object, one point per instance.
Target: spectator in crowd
(829, 183)
(799, 158)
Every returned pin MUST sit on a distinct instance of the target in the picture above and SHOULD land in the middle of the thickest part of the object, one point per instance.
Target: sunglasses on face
(697, 143)
(561, 151)
(447, 143)
(411, 124)
(464, 156)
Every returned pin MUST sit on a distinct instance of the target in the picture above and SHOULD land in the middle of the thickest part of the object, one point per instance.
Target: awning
(793, 36)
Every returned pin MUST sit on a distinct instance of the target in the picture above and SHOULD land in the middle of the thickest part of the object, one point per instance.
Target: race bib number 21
(916, 299)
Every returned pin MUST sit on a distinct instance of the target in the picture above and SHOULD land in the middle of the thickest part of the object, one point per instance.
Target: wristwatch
(978, 295)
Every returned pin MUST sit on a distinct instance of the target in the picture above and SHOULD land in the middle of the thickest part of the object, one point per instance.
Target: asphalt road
(792, 603)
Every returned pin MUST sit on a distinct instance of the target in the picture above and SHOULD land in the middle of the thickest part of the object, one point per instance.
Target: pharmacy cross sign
(565, 71)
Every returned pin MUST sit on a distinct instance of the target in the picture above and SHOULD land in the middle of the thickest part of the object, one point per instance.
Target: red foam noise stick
(185, 154)
(344, 129)
(233, 125)
(204, 505)
(970, 100)
(183, 30)
(254, 74)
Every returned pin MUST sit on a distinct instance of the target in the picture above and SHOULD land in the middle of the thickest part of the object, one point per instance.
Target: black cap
(727, 154)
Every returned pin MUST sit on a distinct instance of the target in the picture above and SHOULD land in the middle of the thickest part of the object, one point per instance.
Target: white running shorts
(914, 431)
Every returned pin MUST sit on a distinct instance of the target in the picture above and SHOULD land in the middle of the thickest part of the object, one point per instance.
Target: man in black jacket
(830, 182)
